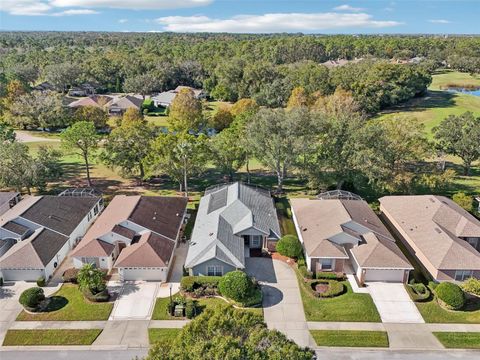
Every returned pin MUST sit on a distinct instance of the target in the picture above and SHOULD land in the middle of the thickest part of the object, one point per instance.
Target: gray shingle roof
(225, 211)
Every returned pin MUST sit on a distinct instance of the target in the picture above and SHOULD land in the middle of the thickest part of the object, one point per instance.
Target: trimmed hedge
(418, 292)
(330, 275)
(472, 286)
(335, 288)
(450, 295)
(41, 282)
(191, 283)
(290, 246)
(31, 298)
(236, 285)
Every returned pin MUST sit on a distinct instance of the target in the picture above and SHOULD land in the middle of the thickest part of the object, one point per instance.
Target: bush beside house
(290, 246)
(471, 286)
(31, 298)
(450, 295)
(238, 286)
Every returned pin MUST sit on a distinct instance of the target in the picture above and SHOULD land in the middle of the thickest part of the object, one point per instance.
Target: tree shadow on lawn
(55, 303)
(472, 304)
(431, 100)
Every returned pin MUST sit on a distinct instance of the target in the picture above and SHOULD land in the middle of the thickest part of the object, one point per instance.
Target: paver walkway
(282, 304)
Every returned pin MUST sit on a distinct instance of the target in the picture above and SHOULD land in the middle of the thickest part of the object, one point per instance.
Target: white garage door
(384, 275)
(22, 275)
(133, 274)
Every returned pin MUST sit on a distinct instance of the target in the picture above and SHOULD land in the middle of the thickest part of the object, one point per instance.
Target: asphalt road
(323, 354)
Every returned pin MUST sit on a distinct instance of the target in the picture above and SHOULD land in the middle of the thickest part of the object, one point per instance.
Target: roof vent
(305, 229)
(210, 234)
(438, 230)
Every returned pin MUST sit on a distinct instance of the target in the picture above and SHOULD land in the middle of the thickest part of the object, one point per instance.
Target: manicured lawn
(50, 337)
(432, 312)
(161, 305)
(459, 340)
(350, 306)
(350, 338)
(164, 335)
(69, 304)
(446, 79)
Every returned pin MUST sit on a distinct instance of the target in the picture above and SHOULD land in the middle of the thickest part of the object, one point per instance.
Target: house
(136, 235)
(84, 89)
(345, 234)
(37, 234)
(119, 105)
(232, 219)
(44, 86)
(443, 237)
(8, 200)
(99, 101)
(165, 99)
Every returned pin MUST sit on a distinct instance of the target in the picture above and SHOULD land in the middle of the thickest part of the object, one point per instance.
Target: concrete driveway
(282, 304)
(135, 301)
(393, 303)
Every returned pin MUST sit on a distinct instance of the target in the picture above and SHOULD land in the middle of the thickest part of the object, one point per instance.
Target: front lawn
(350, 306)
(161, 306)
(459, 340)
(50, 337)
(69, 304)
(163, 335)
(350, 338)
(432, 312)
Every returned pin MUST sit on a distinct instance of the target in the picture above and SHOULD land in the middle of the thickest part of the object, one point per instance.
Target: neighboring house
(8, 200)
(44, 86)
(165, 99)
(84, 89)
(37, 234)
(99, 101)
(118, 106)
(443, 237)
(136, 235)
(337, 234)
(231, 220)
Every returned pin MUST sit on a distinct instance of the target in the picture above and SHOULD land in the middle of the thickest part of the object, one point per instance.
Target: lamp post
(170, 295)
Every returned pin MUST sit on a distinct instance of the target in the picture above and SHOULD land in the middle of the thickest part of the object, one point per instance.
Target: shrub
(255, 298)
(70, 275)
(1, 281)
(463, 200)
(329, 275)
(418, 292)
(335, 288)
(304, 272)
(472, 286)
(92, 279)
(41, 281)
(206, 284)
(290, 246)
(31, 298)
(236, 285)
(187, 283)
(432, 285)
(451, 295)
(301, 262)
(190, 309)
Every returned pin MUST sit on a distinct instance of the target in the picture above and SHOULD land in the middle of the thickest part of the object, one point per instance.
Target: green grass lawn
(69, 304)
(50, 337)
(350, 338)
(163, 335)
(350, 306)
(432, 312)
(161, 306)
(459, 340)
(445, 79)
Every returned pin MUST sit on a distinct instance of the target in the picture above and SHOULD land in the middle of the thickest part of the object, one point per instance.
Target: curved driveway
(282, 303)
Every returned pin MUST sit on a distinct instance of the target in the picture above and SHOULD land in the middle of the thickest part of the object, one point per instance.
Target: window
(256, 241)
(327, 264)
(461, 275)
(214, 270)
(95, 209)
(89, 216)
(473, 241)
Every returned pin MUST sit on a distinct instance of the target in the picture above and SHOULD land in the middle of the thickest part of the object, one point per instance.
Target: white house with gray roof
(232, 219)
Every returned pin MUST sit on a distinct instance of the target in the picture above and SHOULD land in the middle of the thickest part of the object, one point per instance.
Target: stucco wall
(201, 269)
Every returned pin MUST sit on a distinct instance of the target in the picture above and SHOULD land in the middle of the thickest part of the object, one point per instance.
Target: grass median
(459, 340)
(350, 338)
(50, 337)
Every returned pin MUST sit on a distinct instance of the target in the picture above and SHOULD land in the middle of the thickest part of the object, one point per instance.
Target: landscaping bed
(350, 338)
(349, 306)
(69, 304)
(459, 340)
(50, 337)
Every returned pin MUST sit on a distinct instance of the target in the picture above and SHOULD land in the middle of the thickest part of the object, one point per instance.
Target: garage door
(384, 275)
(22, 275)
(133, 274)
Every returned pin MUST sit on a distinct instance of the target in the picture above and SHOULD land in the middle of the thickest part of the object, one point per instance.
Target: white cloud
(25, 7)
(123, 21)
(75, 12)
(440, 21)
(129, 4)
(348, 8)
(269, 23)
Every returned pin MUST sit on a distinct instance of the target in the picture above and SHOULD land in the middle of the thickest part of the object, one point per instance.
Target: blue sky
(244, 16)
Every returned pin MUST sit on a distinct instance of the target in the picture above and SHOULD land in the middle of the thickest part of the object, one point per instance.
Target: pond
(469, 91)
